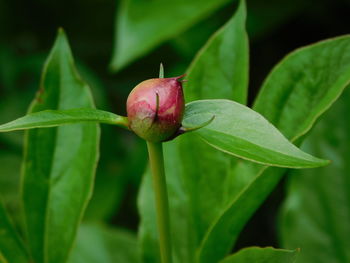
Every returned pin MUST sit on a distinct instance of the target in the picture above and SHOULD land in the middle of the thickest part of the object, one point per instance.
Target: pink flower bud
(155, 108)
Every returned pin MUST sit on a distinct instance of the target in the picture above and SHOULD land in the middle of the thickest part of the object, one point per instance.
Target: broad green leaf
(59, 163)
(297, 91)
(220, 69)
(193, 167)
(309, 81)
(316, 213)
(11, 246)
(242, 132)
(262, 255)
(53, 118)
(98, 243)
(142, 25)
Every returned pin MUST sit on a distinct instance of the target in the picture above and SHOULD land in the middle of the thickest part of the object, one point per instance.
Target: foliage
(59, 163)
(217, 176)
(162, 21)
(316, 212)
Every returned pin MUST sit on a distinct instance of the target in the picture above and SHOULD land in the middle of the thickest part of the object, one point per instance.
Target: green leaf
(11, 246)
(53, 118)
(98, 243)
(296, 93)
(244, 133)
(193, 167)
(142, 25)
(228, 50)
(262, 255)
(59, 163)
(316, 213)
(116, 178)
(309, 80)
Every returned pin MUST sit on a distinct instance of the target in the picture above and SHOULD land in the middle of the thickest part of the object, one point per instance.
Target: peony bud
(155, 108)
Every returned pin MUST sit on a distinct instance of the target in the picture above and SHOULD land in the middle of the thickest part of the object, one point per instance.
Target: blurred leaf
(187, 43)
(242, 132)
(193, 167)
(8, 68)
(316, 213)
(12, 105)
(59, 163)
(10, 164)
(18, 72)
(142, 25)
(116, 177)
(97, 243)
(222, 62)
(295, 94)
(262, 255)
(11, 246)
(269, 16)
(53, 118)
(109, 190)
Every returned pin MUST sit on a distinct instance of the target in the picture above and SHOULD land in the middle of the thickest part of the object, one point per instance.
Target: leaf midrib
(254, 144)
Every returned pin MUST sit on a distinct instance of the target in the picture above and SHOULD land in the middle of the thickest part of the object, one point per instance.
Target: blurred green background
(27, 32)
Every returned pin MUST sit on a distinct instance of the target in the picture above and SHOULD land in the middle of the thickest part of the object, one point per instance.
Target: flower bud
(155, 108)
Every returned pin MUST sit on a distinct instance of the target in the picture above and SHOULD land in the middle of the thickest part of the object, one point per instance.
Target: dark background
(28, 29)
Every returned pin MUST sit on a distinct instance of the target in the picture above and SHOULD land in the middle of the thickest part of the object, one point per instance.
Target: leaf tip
(326, 162)
(112, 67)
(318, 162)
(61, 35)
(60, 31)
(61, 40)
(117, 63)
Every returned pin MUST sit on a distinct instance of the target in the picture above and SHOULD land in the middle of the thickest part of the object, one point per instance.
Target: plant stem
(155, 152)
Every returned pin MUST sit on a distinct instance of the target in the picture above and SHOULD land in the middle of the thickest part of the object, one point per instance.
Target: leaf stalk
(155, 152)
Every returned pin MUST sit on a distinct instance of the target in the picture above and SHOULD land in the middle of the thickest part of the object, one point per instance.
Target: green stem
(155, 152)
